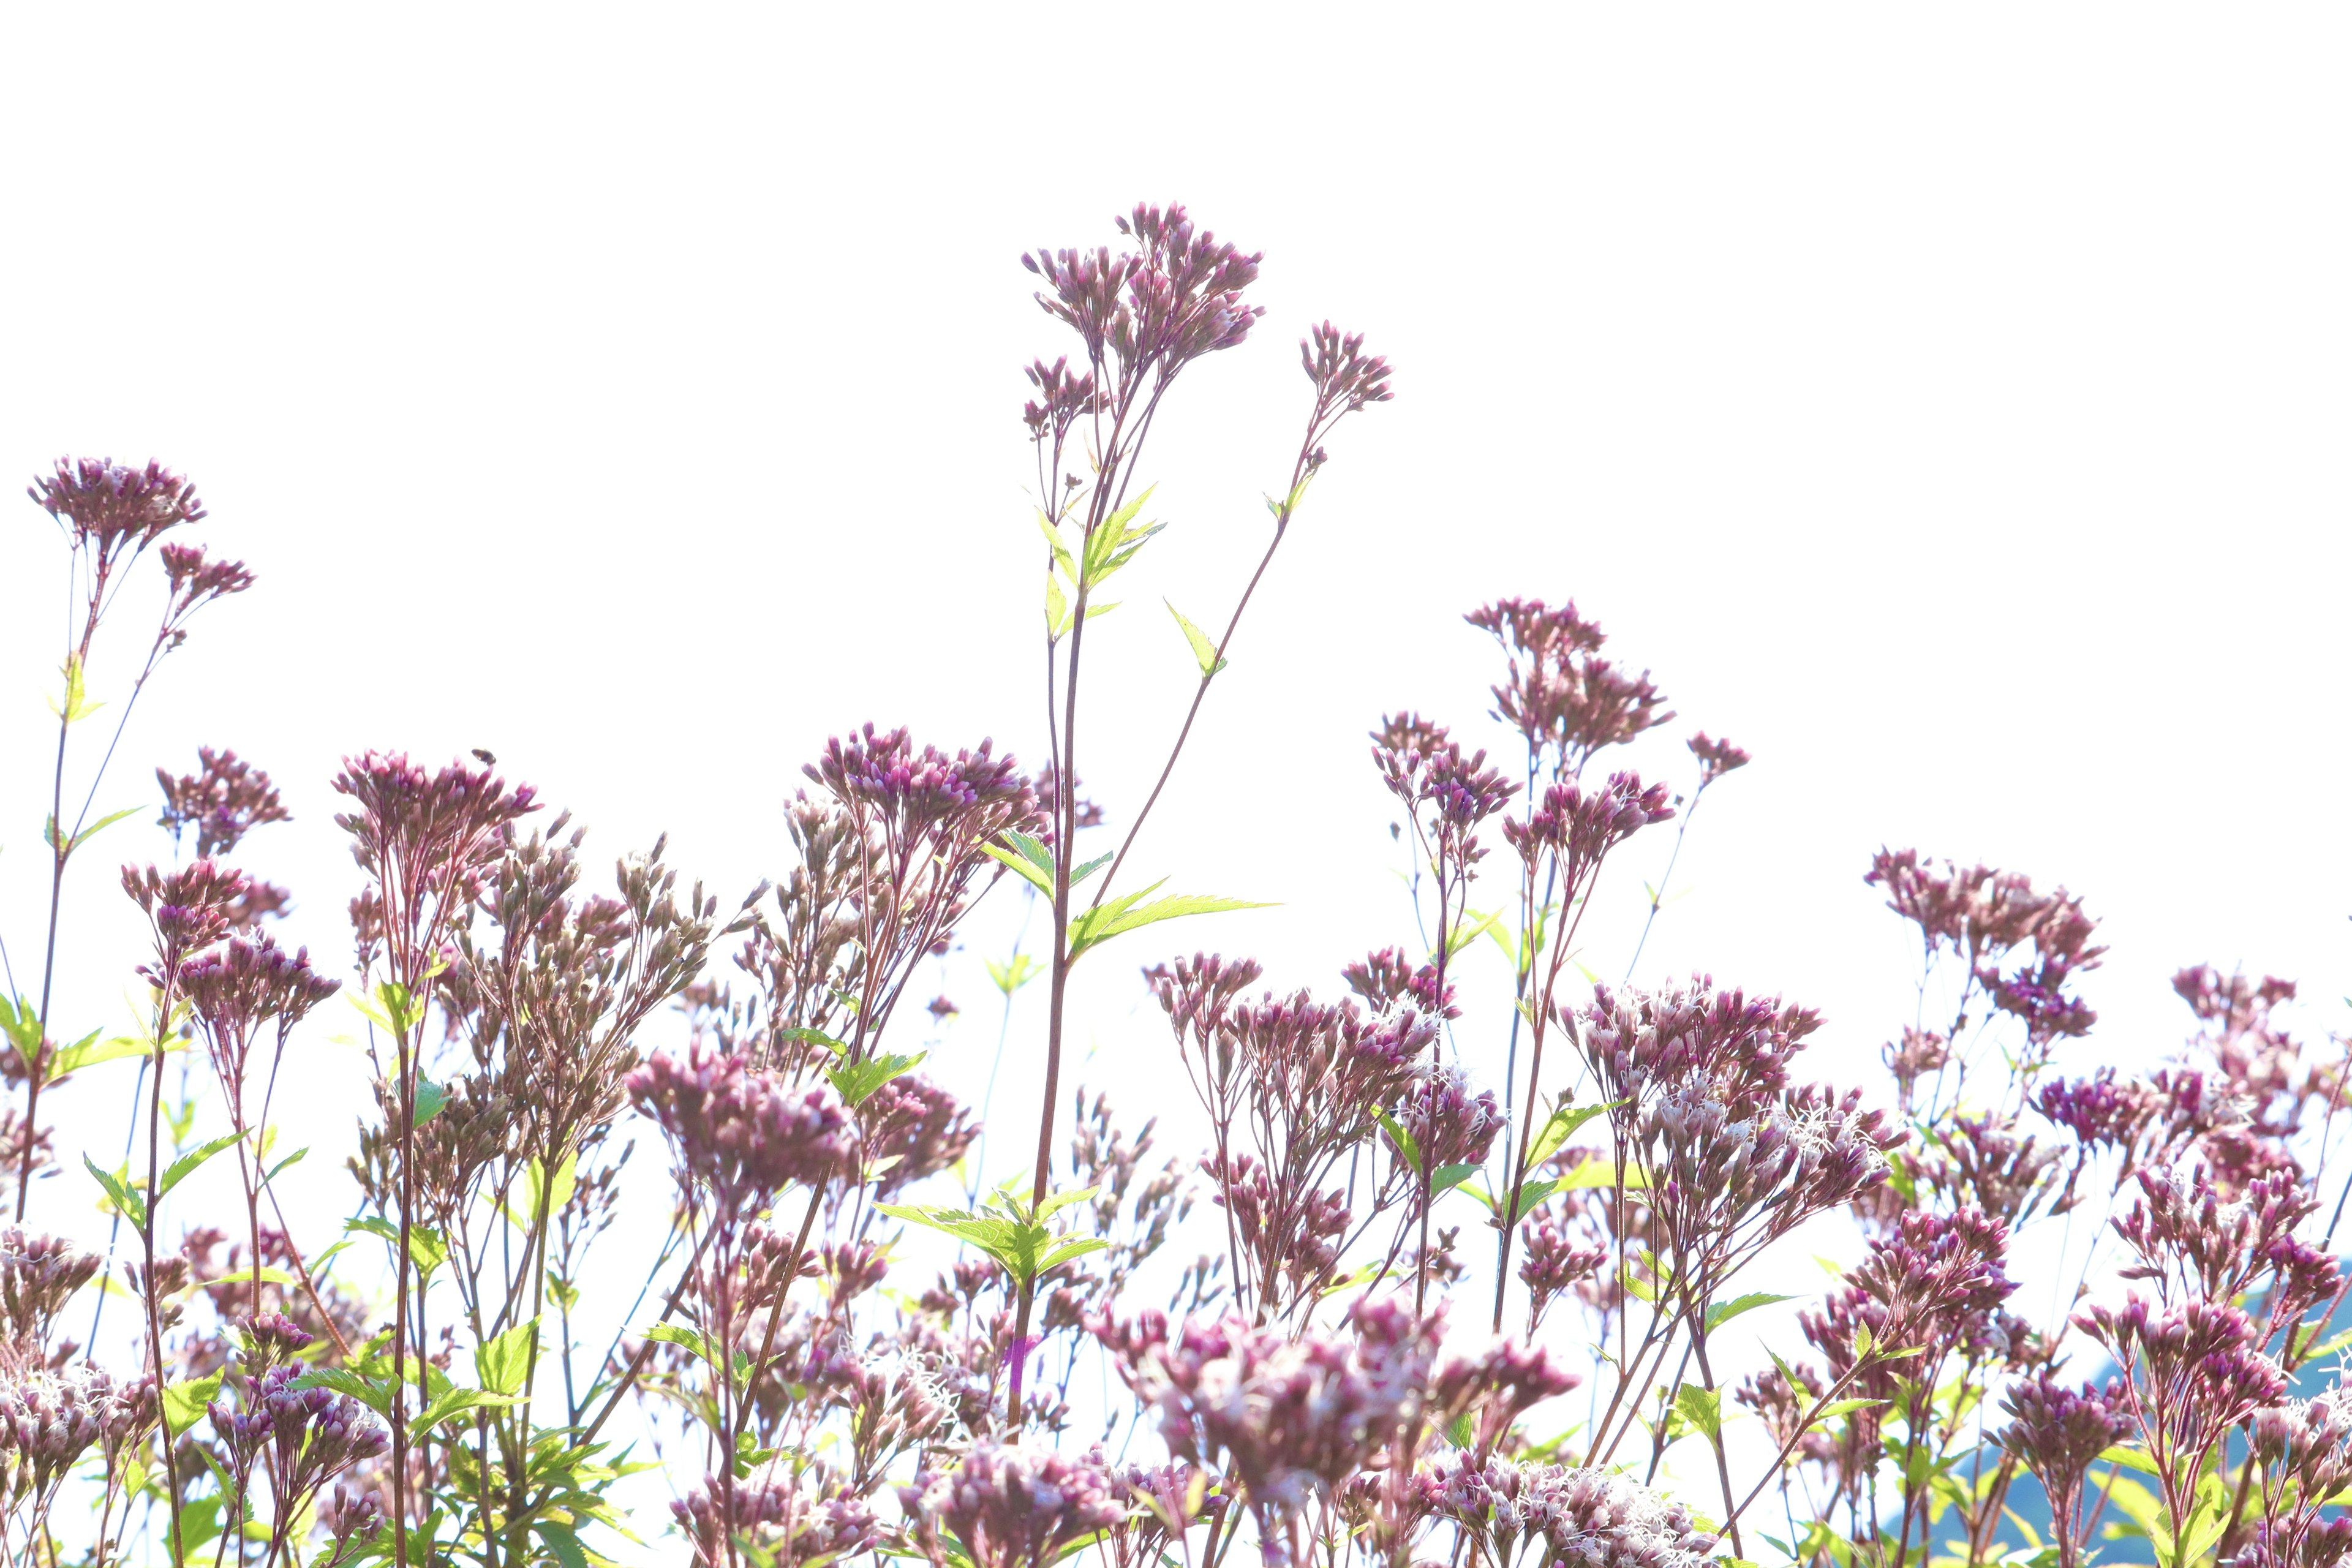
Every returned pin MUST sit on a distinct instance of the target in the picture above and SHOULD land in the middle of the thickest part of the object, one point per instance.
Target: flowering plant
(854, 1341)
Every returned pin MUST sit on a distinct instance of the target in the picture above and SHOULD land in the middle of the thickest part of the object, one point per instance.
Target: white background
(1948, 406)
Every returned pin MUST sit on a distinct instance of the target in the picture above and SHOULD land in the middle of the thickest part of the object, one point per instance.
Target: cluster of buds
(2058, 1433)
(1286, 1418)
(1158, 309)
(1010, 1507)
(1731, 1155)
(302, 1438)
(2198, 1370)
(350, 1518)
(50, 1419)
(1582, 825)
(1567, 701)
(38, 1275)
(743, 1132)
(224, 799)
(187, 908)
(425, 838)
(1495, 1386)
(109, 508)
(1448, 1124)
(1983, 916)
(240, 985)
(784, 1525)
(1979, 1162)
(1386, 979)
(1445, 792)
(913, 1129)
(921, 821)
(1580, 1517)
(2195, 1243)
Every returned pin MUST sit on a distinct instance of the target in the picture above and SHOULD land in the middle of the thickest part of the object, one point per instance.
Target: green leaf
(23, 1027)
(563, 1543)
(432, 1099)
(1204, 652)
(427, 1250)
(2130, 1459)
(90, 1051)
(1028, 858)
(858, 1082)
(1057, 1201)
(1723, 1312)
(1562, 1125)
(1061, 557)
(181, 1169)
(1126, 913)
(78, 705)
(1702, 1407)
(1010, 978)
(271, 1174)
(125, 1197)
(1057, 608)
(1449, 1177)
(504, 1364)
(374, 1393)
(1837, 1407)
(1113, 543)
(87, 834)
(457, 1402)
(1407, 1149)
(186, 1400)
(1601, 1173)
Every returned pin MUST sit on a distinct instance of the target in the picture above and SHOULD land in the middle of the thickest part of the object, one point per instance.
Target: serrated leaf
(1723, 1312)
(125, 1197)
(457, 1402)
(87, 834)
(1010, 978)
(563, 1543)
(503, 1364)
(1126, 913)
(187, 1165)
(1561, 1126)
(859, 1081)
(90, 1051)
(1036, 869)
(1702, 1407)
(1204, 652)
(428, 1249)
(186, 1400)
(374, 1393)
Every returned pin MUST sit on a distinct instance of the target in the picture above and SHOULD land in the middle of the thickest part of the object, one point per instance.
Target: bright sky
(1948, 406)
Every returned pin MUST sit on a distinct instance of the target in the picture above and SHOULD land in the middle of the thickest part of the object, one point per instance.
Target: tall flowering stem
(1563, 843)
(110, 515)
(426, 840)
(1142, 317)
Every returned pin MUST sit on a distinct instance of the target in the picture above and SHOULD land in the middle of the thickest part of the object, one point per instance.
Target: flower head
(108, 506)
(742, 1131)
(1012, 1507)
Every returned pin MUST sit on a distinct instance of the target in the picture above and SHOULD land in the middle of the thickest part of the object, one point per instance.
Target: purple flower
(1011, 1508)
(744, 1132)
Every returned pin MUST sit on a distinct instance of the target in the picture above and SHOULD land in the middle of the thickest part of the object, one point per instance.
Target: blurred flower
(1011, 1508)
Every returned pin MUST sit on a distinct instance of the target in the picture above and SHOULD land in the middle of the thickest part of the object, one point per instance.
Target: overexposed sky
(1949, 405)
